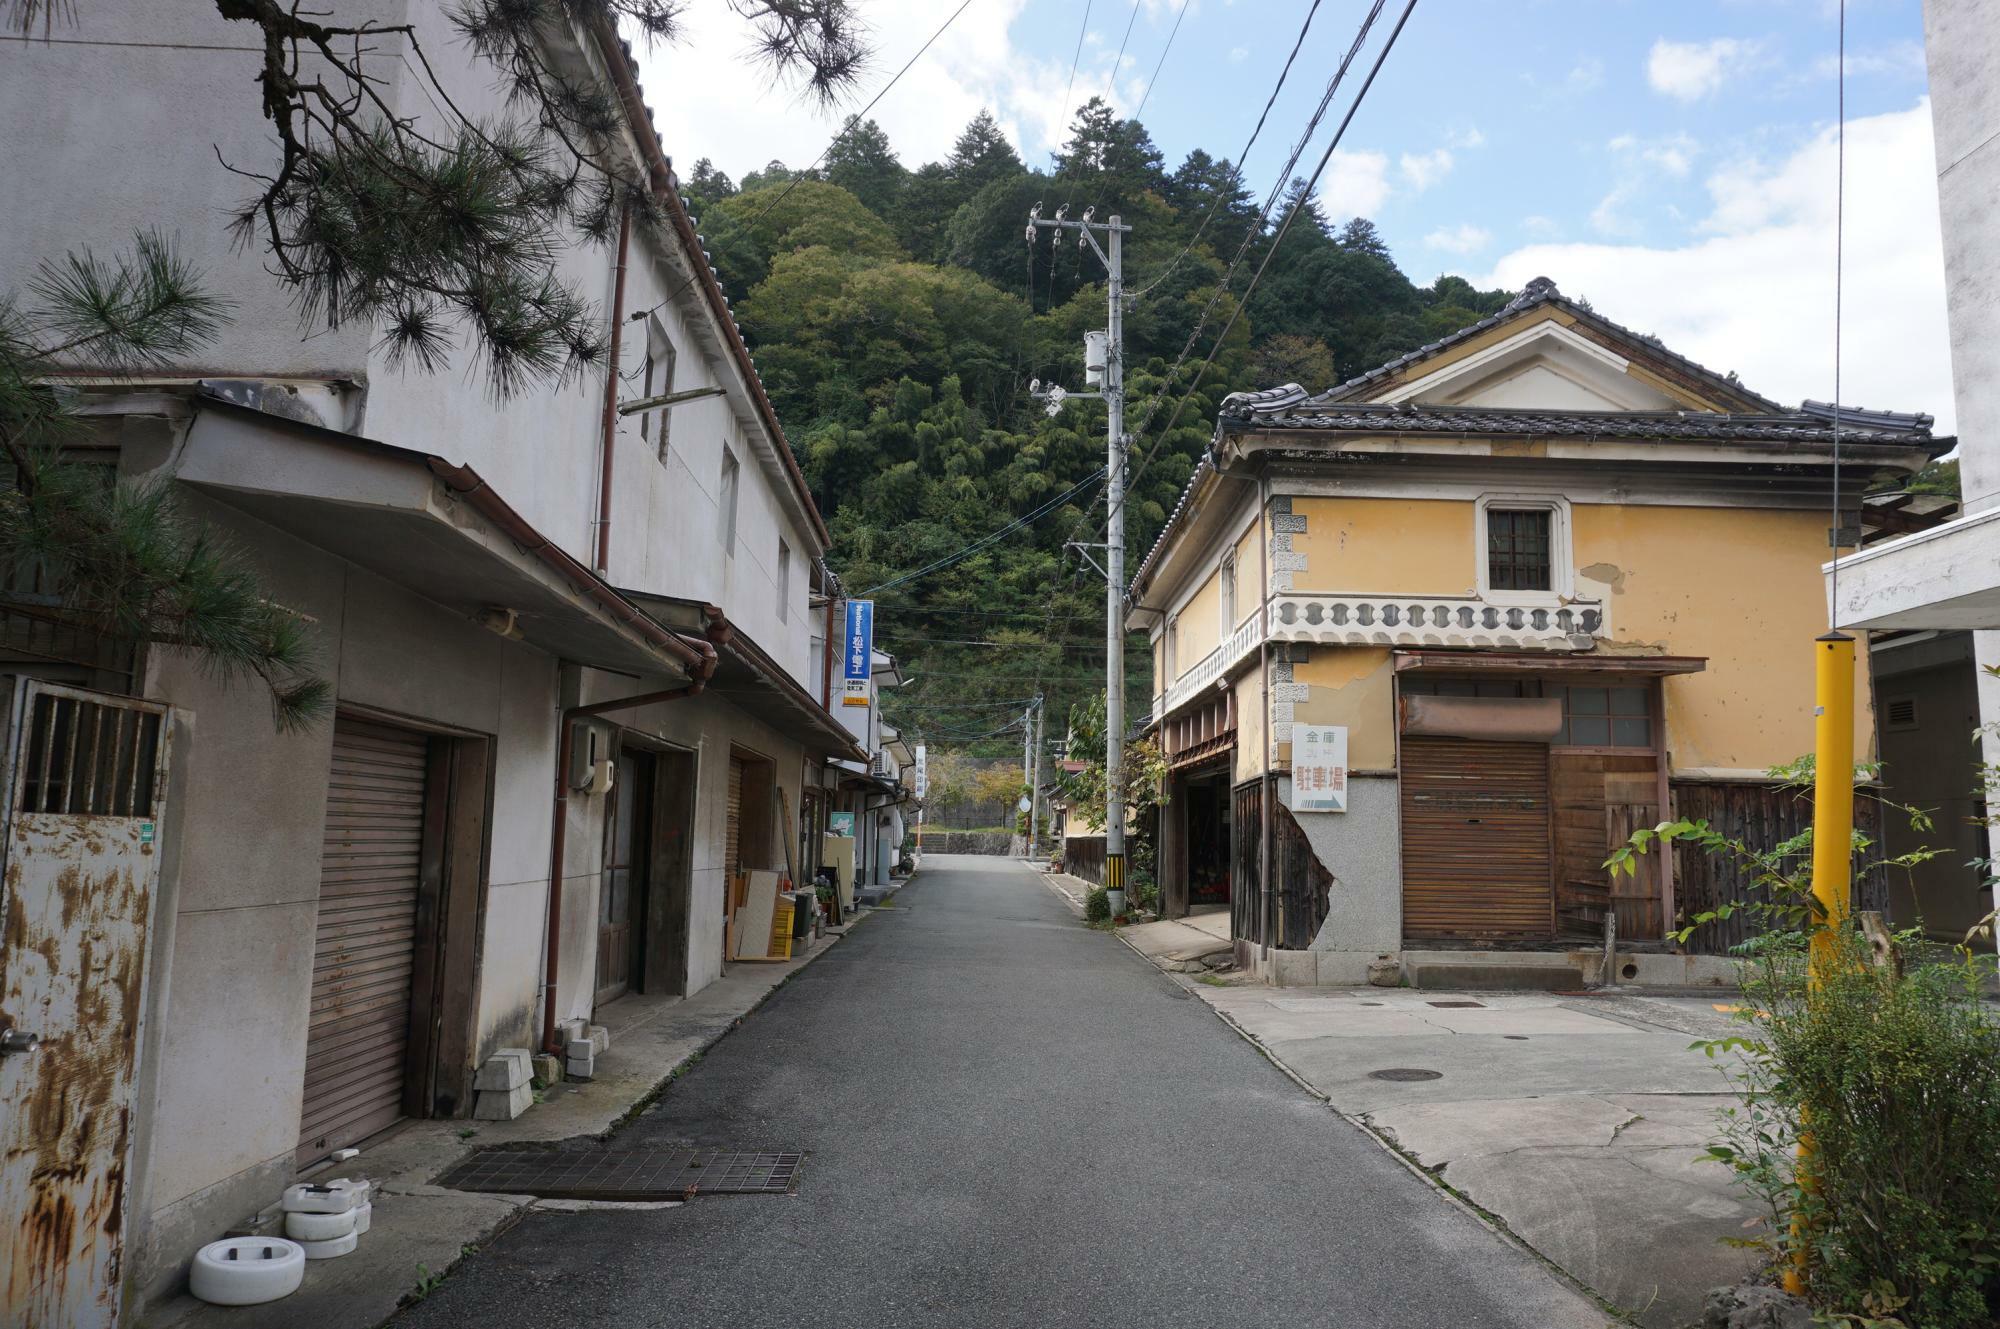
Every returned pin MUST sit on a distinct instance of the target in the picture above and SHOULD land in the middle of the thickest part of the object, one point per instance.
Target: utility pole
(1035, 788)
(1108, 370)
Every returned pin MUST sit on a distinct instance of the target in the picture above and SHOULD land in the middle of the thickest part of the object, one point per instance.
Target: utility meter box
(1094, 347)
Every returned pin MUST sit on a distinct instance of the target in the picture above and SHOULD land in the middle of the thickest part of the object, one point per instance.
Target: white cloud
(1542, 228)
(1897, 60)
(1585, 74)
(1237, 54)
(1356, 184)
(1421, 170)
(975, 64)
(1469, 137)
(1754, 291)
(1464, 238)
(1673, 154)
(1689, 71)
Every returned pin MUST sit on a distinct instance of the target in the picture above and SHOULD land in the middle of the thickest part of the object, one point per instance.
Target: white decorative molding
(1436, 620)
(1213, 666)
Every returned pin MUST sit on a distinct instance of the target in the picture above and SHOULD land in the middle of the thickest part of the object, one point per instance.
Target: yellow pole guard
(1833, 855)
(1114, 872)
(1833, 783)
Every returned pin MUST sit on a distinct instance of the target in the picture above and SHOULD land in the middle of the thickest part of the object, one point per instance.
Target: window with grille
(84, 758)
(1518, 548)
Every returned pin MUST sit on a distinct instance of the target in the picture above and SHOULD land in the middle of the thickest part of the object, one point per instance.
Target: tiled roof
(1542, 291)
(1262, 411)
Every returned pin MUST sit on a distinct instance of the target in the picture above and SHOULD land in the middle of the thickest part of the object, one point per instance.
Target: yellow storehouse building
(1427, 643)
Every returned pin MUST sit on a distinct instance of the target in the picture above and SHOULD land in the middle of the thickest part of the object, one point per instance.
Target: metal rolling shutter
(358, 1040)
(1476, 839)
(732, 835)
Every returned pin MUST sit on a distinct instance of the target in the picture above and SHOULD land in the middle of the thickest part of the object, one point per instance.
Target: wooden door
(622, 891)
(85, 791)
(376, 864)
(1476, 858)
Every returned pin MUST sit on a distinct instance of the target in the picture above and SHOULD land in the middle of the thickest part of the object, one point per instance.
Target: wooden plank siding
(1759, 815)
(1596, 800)
(1302, 884)
(1246, 916)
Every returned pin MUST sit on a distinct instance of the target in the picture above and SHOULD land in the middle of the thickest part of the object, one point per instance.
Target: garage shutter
(358, 1040)
(1475, 839)
(732, 835)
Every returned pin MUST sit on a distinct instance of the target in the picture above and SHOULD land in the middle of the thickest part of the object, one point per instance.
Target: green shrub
(1145, 892)
(1899, 1078)
(1096, 905)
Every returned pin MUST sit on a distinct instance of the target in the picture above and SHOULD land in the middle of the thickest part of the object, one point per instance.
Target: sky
(1671, 161)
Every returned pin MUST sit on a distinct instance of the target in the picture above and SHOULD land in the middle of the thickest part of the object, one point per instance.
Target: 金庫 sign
(858, 652)
(1319, 768)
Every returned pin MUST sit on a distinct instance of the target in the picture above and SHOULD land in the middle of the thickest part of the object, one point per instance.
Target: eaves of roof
(1677, 426)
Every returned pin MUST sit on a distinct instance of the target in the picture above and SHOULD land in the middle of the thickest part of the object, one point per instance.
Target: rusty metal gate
(1476, 853)
(85, 788)
(371, 881)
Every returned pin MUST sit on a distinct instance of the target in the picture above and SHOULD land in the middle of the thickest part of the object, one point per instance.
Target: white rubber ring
(321, 1227)
(247, 1271)
(327, 1250)
(318, 1199)
(364, 1214)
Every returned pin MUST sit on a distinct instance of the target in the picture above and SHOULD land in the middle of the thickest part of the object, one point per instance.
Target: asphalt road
(1013, 1121)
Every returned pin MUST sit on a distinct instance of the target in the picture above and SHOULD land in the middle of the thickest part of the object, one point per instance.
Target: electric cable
(1162, 63)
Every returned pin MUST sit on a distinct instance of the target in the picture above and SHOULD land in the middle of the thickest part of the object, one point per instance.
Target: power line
(1147, 95)
(1241, 157)
(1117, 61)
(852, 122)
(985, 541)
(1297, 207)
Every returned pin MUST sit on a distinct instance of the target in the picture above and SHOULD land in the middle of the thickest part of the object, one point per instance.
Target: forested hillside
(898, 316)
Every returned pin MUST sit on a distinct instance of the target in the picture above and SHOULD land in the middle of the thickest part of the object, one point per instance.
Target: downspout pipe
(558, 830)
(611, 390)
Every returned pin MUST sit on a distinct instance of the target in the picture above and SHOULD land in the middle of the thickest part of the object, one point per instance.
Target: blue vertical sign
(859, 652)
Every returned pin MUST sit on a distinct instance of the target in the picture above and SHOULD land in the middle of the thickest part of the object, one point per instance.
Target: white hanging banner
(1319, 768)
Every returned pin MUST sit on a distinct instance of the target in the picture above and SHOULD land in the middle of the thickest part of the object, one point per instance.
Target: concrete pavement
(1576, 1120)
(1012, 1121)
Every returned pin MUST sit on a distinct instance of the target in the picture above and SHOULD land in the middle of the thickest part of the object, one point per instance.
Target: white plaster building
(1948, 578)
(346, 921)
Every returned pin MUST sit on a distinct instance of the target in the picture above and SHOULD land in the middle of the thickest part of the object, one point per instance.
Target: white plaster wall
(103, 141)
(1962, 49)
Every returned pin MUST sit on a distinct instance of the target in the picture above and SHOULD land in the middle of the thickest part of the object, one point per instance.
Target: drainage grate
(1405, 1073)
(639, 1174)
(1458, 1005)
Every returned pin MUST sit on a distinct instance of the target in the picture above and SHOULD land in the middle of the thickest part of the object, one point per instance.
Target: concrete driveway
(1576, 1120)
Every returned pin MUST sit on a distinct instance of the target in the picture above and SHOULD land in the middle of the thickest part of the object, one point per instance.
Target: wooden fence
(1763, 818)
(1083, 856)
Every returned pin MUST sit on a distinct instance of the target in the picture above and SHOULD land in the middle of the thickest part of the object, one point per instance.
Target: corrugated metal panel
(357, 1044)
(1476, 839)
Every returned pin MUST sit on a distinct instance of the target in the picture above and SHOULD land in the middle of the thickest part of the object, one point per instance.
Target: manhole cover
(1458, 1005)
(1405, 1073)
(638, 1174)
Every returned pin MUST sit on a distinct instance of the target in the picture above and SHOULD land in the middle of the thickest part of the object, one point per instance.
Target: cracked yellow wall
(1740, 586)
(1352, 686)
(1370, 545)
